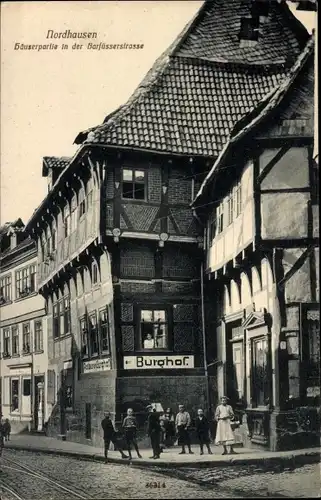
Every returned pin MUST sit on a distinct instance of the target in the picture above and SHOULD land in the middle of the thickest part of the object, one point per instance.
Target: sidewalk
(169, 457)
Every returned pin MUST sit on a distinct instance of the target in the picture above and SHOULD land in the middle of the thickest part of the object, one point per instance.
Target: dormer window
(249, 29)
(260, 9)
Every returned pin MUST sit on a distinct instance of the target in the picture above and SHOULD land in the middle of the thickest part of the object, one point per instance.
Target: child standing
(130, 428)
(203, 431)
(224, 433)
(6, 429)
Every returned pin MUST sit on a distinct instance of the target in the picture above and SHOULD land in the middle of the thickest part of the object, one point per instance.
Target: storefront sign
(67, 365)
(20, 371)
(162, 362)
(96, 365)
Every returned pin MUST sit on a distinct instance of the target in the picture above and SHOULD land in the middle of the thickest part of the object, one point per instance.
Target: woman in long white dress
(224, 432)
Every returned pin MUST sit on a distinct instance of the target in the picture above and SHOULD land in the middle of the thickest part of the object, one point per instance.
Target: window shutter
(51, 383)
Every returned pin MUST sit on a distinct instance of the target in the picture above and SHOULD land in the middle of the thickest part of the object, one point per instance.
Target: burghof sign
(162, 362)
(96, 365)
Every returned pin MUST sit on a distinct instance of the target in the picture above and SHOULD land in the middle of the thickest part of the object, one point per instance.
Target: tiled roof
(24, 243)
(216, 35)
(54, 162)
(197, 91)
(263, 111)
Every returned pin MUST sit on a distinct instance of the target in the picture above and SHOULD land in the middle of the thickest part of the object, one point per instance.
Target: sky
(49, 96)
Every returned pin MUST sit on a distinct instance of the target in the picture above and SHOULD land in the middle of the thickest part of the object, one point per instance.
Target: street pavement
(26, 474)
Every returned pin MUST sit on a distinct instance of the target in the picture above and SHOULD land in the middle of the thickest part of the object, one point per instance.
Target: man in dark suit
(110, 436)
(154, 431)
(203, 431)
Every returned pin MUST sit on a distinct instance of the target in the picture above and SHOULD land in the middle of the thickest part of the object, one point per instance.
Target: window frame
(38, 342)
(220, 218)
(139, 335)
(6, 288)
(84, 334)
(15, 352)
(134, 182)
(26, 281)
(24, 350)
(82, 203)
(101, 326)
(6, 337)
(95, 274)
(230, 208)
(67, 221)
(93, 316)
(17, 409)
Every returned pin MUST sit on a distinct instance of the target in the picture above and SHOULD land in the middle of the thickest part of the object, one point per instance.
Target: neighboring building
(262, 257)
(23, 324)
(120, 251)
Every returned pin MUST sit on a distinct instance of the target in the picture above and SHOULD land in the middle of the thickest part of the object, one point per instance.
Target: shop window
(14, 395)
(84, 337)
(38, 336)
(6, 343)
(104, 331)
(15, 340)
(26, 338)
(5, 289)
(153, 329)
(238, 374)
(260, 375)
(133, 184)
(93, 334)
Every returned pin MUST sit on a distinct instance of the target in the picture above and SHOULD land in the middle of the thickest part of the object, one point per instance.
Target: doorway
(38, 379)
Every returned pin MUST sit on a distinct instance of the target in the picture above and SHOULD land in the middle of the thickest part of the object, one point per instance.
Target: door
(37, 380)
(26, 397)
(238, 371)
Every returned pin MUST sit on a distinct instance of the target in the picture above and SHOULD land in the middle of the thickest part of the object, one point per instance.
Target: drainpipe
(204, 341)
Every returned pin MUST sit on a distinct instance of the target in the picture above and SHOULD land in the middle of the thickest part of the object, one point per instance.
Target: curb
(290, 461)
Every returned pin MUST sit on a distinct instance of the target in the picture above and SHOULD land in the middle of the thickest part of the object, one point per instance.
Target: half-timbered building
(120, 249)
(262, 254)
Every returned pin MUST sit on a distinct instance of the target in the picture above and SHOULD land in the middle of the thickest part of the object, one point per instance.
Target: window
(74, 220)
(94, 272)
(260, 379)
(14, 395)
(237, 349)
(89, 200)
(15, 340)
(238, 198)
(82, 203)
(153, 328)
(26, 338)
(93, 335)
(212, 229)
(219, 218)
(104, 330)
(26, 281)
(66, 310)
(84, 337)
(230, 209)
(5, 289)
(249, 28)
(26, 391)
(44, 248)
(6, 342)
(66, 221)
(133, 184)
(38, 336)
(53, 237)
(55, 316)
(49, 243)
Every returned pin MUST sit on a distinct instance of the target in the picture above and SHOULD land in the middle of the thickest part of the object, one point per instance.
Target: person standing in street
(110, 436)
(182, 424)
(7, 429)
(130, 428)
(203, 431)
(224, 432)
(169, 422)
(154, 431)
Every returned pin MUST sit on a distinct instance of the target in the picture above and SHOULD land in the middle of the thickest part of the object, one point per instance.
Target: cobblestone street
(90, 480)
(30, 475)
